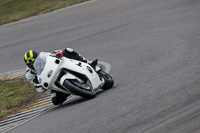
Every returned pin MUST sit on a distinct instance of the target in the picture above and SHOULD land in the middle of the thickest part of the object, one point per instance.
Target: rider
(31, 55)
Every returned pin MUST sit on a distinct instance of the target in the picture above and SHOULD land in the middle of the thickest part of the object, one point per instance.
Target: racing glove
(59, 54)
(38, 86)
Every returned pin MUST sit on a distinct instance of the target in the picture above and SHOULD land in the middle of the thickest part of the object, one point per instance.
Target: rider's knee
(58, 98)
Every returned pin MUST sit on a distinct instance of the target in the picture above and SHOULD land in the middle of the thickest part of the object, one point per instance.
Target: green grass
(13, 94)
(13, 10)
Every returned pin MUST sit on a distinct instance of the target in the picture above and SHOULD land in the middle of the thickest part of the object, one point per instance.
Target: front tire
(77, 88)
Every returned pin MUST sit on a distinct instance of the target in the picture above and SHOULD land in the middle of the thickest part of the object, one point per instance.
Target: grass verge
(13, 10)
(14, 95)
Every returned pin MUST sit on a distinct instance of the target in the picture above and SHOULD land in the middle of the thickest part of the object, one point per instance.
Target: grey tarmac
(154, 52)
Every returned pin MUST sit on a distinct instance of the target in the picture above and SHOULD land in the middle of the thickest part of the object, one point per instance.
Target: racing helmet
(29, 58)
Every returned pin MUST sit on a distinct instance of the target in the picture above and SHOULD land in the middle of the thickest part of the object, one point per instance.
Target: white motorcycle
(71, 76)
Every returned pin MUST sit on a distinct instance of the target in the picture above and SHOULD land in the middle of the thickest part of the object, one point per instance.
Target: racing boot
(93, 63)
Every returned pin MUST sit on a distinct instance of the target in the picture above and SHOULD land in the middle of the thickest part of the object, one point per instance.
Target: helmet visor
(30, 65)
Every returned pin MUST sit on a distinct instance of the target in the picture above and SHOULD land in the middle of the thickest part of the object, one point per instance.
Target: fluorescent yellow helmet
(29, 58)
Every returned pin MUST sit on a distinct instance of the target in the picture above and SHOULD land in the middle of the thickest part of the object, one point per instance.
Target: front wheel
(109, 82)
(80, 89)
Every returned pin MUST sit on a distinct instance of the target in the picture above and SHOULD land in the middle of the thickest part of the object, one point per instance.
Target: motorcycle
(71, 76)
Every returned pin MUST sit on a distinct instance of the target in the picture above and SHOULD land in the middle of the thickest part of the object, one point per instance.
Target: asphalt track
(154, 51)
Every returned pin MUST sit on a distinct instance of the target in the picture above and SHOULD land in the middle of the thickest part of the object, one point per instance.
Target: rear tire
(109, 82)
(78, 89)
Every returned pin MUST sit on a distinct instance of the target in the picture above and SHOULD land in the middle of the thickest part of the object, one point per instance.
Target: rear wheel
(80, 89)
(109, 82)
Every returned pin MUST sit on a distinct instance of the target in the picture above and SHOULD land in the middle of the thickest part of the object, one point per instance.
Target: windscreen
(39, 63)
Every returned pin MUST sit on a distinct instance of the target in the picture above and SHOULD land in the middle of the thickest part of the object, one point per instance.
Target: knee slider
(70, 50)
